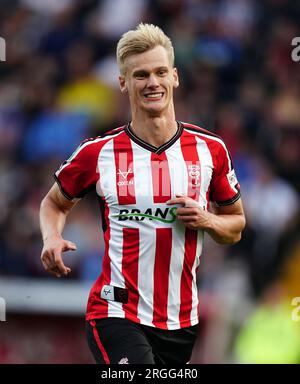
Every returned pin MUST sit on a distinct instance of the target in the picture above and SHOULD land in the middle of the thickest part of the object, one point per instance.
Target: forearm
(52, 219)
(225, 229)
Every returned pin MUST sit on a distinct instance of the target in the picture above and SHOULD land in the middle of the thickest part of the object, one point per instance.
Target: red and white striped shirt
(149, 253)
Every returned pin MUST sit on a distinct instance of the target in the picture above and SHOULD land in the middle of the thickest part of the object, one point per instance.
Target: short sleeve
(78, 175)
(225, 188)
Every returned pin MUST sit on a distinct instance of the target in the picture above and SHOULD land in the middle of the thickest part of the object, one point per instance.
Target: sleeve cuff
(66, 195)
(230, 201)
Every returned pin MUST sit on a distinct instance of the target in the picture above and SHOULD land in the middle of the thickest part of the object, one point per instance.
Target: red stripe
(200, 130)
(124, 170)
(207, 198)
(161, 276)
(130, 270)
(190, 154)
(161, 181)
(198, 306)
(106, 268)
(188, 145)
(100, 345)
(97, 306)
(190, 248)
(114, 130)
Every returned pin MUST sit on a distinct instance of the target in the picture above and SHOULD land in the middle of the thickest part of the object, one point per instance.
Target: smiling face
(149, 81)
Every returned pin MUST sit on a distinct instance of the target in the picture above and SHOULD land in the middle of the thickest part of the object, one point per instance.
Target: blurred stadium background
(59, 86)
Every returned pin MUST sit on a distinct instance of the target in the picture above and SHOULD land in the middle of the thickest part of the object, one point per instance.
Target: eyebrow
(145, 72)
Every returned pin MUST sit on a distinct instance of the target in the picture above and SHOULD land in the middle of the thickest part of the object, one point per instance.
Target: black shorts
(121, 341)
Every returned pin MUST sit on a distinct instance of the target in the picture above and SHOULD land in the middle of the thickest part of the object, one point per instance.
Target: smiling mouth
(154, 95)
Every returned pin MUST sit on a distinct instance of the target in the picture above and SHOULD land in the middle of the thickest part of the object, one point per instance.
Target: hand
(191, 214)
(52, 255)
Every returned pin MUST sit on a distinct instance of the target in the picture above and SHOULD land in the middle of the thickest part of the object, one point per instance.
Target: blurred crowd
(237, 79)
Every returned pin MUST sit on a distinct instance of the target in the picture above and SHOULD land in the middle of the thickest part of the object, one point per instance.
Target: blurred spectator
(54, 132)
(50, 7)
(113, 18)
(83, 92)
(269, 335)
(271, 204)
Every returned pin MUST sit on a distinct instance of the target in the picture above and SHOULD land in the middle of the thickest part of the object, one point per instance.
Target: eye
(140, 75)
(162, 72)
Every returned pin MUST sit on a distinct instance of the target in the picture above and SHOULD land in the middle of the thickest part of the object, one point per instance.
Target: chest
(144, 180)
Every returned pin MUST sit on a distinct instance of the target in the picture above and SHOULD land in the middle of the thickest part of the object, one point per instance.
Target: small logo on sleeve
(232, 179)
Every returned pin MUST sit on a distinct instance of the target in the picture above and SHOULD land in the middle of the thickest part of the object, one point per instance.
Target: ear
(175, 77)
(122, 83)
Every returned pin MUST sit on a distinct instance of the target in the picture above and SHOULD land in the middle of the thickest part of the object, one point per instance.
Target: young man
(154, 178)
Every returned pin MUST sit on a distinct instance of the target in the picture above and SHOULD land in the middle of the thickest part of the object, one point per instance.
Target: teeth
(154, 95)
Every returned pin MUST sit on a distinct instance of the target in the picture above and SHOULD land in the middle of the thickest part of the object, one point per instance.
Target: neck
(155, 130)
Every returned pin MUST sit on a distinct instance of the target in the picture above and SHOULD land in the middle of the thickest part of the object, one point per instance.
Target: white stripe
(107, 169)
(144, 199)
(206, 164)
(215, 139)
(195, 301)
(142, 176)
(176, 265)
(179, 185)
(178, 171)
(223, 145)
(146, 278)
(81, 147)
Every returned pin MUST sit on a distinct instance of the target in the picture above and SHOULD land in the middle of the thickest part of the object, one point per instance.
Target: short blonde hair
(142, 39)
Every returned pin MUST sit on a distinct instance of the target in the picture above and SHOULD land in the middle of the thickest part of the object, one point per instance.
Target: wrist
(209, 223)
(51, 236)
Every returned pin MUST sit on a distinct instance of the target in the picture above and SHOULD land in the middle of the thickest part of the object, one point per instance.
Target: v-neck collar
(150, 147)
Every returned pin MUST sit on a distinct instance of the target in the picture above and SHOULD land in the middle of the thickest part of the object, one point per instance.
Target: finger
(187, 219)
(46, 266)
(69, 246)
(50, 265)
(59, 274)
(179, 200)
(51, 269)
(47, 261)
(59, 264)
(186, 211)
(191, 203)
(55, 271)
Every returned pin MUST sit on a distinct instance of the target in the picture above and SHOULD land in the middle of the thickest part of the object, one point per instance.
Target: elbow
(235, 239)
(230, 240)
(238, 236)
(43, 203)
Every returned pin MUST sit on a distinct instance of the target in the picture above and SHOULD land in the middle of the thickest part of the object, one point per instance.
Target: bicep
(233, 209)
(56, 197)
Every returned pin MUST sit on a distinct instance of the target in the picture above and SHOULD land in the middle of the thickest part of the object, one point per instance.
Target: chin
(155, 111)
(155, 108)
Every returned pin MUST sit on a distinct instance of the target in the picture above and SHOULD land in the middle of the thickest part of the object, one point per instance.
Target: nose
(152, 81)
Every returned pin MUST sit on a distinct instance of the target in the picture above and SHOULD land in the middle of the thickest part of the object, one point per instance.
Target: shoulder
(215, 143)
(199, 131)
(104, 136)
(90, 148)
(97, 142)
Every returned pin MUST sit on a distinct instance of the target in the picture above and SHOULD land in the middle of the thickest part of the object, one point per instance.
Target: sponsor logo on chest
(166, 215)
